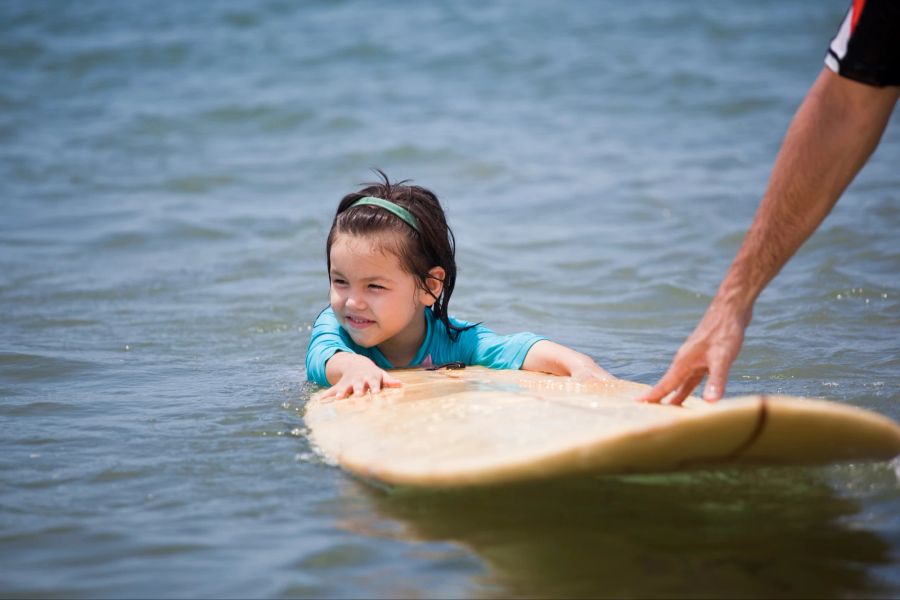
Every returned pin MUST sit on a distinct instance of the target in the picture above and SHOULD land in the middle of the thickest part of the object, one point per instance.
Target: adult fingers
(673, 378)
(718, 377)
(656, 393)
(686, 388)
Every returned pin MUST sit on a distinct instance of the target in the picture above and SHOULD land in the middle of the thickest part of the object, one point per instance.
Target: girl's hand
(373, 381)
(590, 373)
(357, 375)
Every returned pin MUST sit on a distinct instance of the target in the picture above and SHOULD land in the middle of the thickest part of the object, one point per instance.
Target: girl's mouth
(358, 322)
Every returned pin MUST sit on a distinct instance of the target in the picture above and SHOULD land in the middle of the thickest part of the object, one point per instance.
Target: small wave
(267, 117)
(45, 323)
(20, 54)
(27, 368)
(26, 409)
(114, 58)
(118, 474)
(745, 106)
(119, 241)
(241, 20)
(336, 556)
(191, 231)
(173, 549)
(198, 184)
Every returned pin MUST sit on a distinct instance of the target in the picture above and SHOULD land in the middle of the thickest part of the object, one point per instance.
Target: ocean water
(168, 173)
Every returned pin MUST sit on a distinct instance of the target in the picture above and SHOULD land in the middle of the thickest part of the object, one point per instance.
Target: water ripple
(26, 368)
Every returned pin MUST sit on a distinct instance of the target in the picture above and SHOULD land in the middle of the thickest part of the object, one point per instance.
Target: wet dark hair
(433, 245)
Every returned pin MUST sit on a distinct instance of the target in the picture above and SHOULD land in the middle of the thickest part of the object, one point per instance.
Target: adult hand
(709, 350)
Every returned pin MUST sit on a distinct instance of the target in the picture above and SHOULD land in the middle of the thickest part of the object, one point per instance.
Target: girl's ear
(434, 283)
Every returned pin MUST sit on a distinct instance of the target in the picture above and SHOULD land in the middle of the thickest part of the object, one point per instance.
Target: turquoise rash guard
(476, 345)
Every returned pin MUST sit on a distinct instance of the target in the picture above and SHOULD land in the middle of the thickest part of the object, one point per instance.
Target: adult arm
(832, 135)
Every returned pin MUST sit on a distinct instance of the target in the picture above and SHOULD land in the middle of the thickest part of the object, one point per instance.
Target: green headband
(389, 206)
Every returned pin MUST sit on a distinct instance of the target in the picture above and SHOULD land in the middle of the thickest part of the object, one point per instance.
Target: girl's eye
(375, 286)
(337, 281)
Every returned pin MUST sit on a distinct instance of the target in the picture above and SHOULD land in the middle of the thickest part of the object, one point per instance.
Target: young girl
(392, 267)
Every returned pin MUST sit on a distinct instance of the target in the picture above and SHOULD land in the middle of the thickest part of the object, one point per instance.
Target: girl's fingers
(389, 380)
(335, 391)
(385, 380)
(372, 383)
(601, 374)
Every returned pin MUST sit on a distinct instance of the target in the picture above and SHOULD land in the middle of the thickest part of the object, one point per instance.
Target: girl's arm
(355, 374)
(549, 357)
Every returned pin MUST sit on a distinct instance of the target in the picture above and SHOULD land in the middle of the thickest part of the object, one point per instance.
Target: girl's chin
(363, 340)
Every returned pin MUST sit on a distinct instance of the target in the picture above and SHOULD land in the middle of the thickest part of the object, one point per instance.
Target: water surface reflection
(746, 533)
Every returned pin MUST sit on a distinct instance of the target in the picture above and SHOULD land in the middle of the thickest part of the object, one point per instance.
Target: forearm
(832, 135)
(549, 357)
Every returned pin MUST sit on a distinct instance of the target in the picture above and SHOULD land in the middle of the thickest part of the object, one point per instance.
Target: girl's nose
(355, 301)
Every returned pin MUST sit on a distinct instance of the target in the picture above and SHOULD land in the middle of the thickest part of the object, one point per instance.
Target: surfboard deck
(476, 426)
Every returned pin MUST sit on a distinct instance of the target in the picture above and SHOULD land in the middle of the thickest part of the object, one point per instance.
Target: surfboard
(476, 427)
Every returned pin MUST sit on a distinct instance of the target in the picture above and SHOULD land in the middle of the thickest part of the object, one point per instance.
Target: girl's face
(375, 300)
